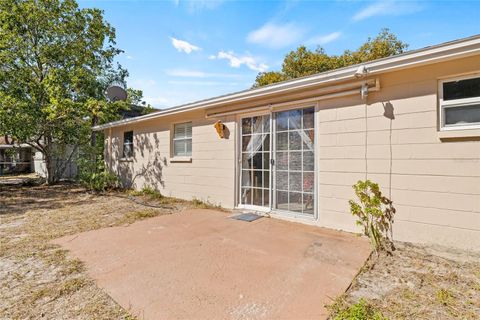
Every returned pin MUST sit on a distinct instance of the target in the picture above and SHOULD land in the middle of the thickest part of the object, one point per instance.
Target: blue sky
(181, 51)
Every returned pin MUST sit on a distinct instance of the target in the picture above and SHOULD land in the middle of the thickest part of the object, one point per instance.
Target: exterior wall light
(361, 72)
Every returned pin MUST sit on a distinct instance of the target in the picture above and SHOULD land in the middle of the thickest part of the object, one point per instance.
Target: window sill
(459, 133)
(181, 159)
(125, 159)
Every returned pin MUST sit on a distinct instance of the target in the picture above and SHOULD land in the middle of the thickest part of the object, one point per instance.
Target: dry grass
(39, 279)
(16, 176)
(418, 283)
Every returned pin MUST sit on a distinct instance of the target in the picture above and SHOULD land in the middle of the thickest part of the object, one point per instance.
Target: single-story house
(409, 122)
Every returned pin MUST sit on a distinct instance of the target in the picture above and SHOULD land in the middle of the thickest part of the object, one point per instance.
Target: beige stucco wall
(209, 176)
(435, 184)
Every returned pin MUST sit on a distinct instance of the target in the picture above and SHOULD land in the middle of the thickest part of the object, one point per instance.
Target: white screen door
(255, 161)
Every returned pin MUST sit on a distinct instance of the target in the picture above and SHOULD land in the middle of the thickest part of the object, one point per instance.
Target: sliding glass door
(287, 182)
(295, 161)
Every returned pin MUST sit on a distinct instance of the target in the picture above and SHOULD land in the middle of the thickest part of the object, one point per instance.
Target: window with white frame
(460, 103)
(128, 144)
(182, 139)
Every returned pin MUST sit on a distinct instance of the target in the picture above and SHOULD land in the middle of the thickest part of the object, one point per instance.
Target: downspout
(362, 73)
(364, 91)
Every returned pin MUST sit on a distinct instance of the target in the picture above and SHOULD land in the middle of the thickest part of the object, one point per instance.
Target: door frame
(238, 161)
(238, 158)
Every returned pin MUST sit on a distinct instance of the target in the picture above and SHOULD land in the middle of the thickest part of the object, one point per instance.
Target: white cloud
(184, 46)
(385, 8)
(236, 61)
(186, 73)
(276, 36)
(324, 39)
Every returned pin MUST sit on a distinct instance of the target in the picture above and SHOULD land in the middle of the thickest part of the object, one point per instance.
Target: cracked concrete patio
(200, 264)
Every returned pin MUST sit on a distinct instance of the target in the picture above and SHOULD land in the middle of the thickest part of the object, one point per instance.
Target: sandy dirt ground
(419, 282)
(37, 279)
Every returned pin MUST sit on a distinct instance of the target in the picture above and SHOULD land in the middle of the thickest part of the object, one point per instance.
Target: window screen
(182, 139)
(128, 144)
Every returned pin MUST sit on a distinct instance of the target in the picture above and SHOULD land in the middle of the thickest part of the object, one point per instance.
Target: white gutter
(442, 52)
(375, 86)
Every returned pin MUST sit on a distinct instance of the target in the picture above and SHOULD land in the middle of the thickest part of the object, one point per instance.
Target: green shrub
(375, 214)
(99, 181)
(361, 310)
(151, 192)
(94, 176)
(147, 191)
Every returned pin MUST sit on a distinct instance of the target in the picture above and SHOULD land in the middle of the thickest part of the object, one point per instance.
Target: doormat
(249, 217)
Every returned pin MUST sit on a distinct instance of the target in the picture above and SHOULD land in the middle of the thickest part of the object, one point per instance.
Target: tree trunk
(50, 170)
(94, 133)
(48, 157)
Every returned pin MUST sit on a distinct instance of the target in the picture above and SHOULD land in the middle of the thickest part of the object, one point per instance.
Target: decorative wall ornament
(220, 127)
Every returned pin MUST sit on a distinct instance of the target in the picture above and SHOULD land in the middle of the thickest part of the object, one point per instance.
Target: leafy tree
(269, 77)
(305, 62)
(135, 98)
(55, 63)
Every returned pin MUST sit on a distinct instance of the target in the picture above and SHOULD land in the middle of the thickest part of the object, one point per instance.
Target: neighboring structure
(409, 122)
(14, 158)
(17, 159)
(23, 158)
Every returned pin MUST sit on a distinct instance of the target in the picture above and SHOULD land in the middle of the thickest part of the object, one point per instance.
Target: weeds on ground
(413, 283)
(362, 310)
(138, 215)
(444, 297)
(205, 204)
(153, 196)
(147, 191)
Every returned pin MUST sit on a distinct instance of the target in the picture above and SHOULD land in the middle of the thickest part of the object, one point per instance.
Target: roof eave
(434, 54)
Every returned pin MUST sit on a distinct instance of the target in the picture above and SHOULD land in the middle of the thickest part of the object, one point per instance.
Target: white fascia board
(442, 52)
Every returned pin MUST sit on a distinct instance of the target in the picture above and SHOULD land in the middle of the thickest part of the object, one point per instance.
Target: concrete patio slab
(200, 264)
